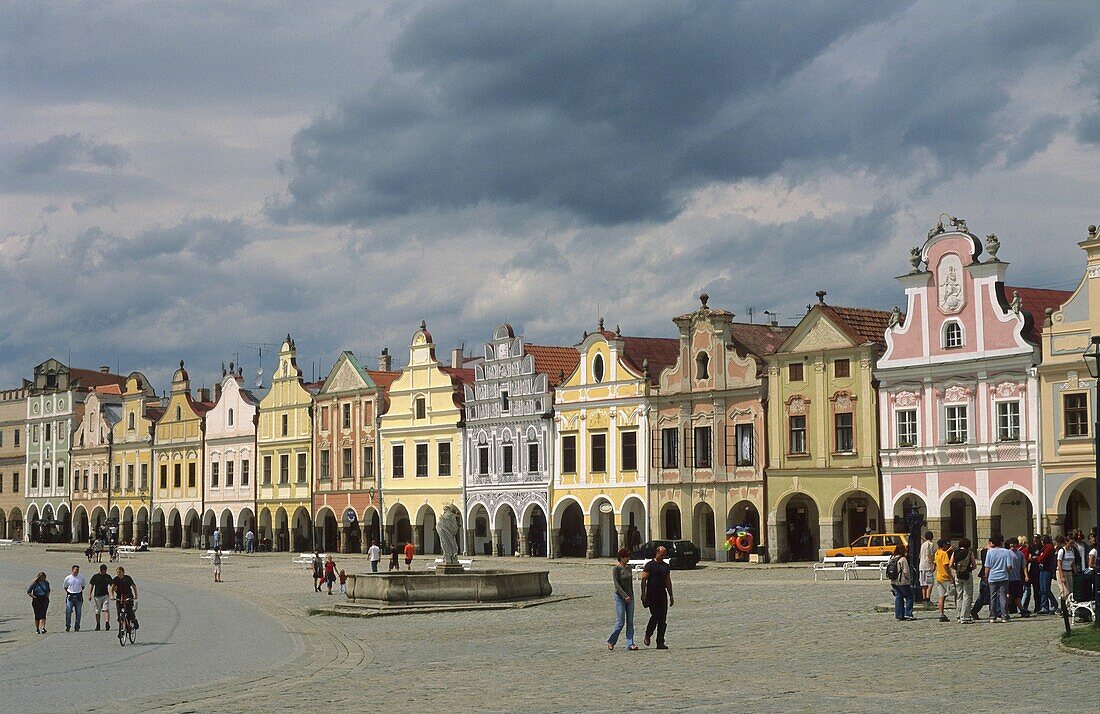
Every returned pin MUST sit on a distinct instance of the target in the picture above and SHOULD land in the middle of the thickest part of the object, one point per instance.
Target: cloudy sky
(180, 180)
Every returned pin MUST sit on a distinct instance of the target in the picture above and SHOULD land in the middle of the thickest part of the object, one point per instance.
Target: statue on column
(447, 528)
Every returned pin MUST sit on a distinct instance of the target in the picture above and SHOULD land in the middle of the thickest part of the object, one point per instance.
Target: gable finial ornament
(937, 229)
(959, 224)
(820, 297)
(914, 260)
(223, 370)
(618, 331)
(599, 324)
(992, 245)
(895, 317)
(645, 368)
(703, 297)
(1092, 233)
(423, 325)
(1017, 303)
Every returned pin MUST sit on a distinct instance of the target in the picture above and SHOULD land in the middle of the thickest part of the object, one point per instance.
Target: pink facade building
(958, 391)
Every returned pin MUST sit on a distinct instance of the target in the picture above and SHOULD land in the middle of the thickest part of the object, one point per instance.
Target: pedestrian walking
(39, 592)
(410, 551)
(375, 554)
(318, 571)
(657, 596)
(998, 564)
(1033, 599)
(74, 596)
(217, 539)
(395, 556)
(622, 575)
(217, 565)
(343, 583)
(927, 566)
(1048, 566)
(1017, 579)
(963, 565)
(945, 581)
(97, 549)
(1065, 558)
(99, 593)
(901, 583)
(330, 573)
(250, 542)
(238, 541)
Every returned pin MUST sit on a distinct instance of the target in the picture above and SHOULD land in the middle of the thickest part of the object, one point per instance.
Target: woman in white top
(1064, 559)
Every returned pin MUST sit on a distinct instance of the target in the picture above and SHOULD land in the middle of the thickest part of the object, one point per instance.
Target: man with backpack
(963, 565)
(899, 574)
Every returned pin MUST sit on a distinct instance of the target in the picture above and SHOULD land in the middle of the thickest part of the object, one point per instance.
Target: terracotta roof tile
(92, 378)
(383, 379)
(760, 340)
(862, 324)
(660, 352)
(553, 360)
(1035, 302)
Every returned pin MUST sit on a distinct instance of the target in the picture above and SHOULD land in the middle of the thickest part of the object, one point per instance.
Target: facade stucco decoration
(132, 458)
(510, 444)
(959, 421)
(13, 461)
(91, 471)
(230, 460)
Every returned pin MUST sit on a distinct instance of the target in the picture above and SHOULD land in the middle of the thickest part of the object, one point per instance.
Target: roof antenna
(750, 314)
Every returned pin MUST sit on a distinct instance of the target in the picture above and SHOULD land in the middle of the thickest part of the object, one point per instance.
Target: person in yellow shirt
(945, 578)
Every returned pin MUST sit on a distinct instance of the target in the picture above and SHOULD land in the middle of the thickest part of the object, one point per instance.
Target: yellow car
(875, 544)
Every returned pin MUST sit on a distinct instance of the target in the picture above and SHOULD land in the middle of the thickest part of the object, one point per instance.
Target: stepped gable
(760, 340)
(862, 324)
(553, 360)
(1035, 302)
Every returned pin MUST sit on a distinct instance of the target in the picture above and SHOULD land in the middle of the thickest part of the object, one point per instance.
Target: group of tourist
(656, 592)
(102, 588)
(1013, 577)
(326, 574)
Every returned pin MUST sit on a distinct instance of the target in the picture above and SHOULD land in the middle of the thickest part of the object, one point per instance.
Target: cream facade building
(132, 458)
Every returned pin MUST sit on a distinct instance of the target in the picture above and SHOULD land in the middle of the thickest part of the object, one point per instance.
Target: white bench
(638, 565)
(6, 543)
(833, 564)
(1074, 605)
(466, 564)
(209, 555)
(870, 563)
(126, 551)
(306, 559)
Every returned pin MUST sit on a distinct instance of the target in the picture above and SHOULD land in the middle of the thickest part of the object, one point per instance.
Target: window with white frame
(952, 335)
(1008, 421)
(907, 428)
(745, 447)
(957, 432)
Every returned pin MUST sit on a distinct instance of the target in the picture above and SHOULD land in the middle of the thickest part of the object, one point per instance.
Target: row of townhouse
(972, 407)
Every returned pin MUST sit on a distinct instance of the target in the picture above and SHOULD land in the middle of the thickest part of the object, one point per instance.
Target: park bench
(306, 559)
(869, 563)
(8, 543)
(1073, 605)
(126, 551)
(466, 564)
(834, 564)
(638, 565)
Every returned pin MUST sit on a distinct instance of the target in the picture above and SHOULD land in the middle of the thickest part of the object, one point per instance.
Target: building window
(15, 483)
(506, 458)
(794, 372)
(952, 335)
(368, 462)
(345, 416)
(34, 434)
(325, 474)
(702, 366)
(130, 422)
(144, 482)
(505, 407)
(599, 453)
(532, 456)
(444, 458)
(670, 448)
(230, 421)
(214, 469)
(191, 475)
(285, 424)
(164, 476)
(49, 431)
(907, 428)
(421, 407)
(569, 454)
(324, 418)
(345, 465)
(597, 368)
(228, 474)
(16, 435)
(421, 460)
(842, 368)
(179, 414)
(245, 468)
(956, 425)
(302, 468)
(177, 475)
(701, 456)
(796, 434)
(46, 472)
(1008, 421)
(34, 478)
(745, 444)
(843, 431)
(284, 468)
(398, 461)
(629, 448)
(95, 487)
(483, 460)
(1075, 409)
(267, 470)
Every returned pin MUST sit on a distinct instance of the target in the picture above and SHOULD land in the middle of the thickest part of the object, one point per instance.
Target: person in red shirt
(410, 551)
(1046, 576)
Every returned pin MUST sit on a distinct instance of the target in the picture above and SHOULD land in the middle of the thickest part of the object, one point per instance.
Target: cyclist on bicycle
(124, 592)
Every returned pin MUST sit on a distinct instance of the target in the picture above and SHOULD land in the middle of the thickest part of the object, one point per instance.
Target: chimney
(204, 394)
(105, 369)
(385, 361)
(456, 358)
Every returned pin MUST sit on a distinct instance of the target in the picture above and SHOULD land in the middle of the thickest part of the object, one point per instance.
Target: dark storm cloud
(614, 113)
(65, 151)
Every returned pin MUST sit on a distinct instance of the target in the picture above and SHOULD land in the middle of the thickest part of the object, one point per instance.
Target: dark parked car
(682, 554)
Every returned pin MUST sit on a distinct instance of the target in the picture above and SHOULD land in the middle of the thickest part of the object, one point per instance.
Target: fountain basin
(426, 587)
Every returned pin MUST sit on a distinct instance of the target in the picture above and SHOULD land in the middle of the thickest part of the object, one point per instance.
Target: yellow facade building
(822, 481)
(421, 436)
(599, 495)
(1067, 489)
(178, 446)
(132, 458)
(284, 445)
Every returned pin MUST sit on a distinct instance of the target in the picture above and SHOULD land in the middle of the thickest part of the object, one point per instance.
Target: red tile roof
(1035, 302)
(153, 414)
(553, 360)
(760, 340)
(862, 324)
(92, 378)
(383, 379)
(660, 352)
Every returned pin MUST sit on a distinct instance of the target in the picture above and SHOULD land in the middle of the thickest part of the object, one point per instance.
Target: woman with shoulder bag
(39, 592)
(963, 563)
(901, 584)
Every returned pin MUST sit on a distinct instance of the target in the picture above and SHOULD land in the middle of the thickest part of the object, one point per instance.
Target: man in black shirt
(101, 589)
(657, 596)
(124, 591)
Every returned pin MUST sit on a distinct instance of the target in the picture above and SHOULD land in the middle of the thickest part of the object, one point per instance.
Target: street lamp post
(1092, 361)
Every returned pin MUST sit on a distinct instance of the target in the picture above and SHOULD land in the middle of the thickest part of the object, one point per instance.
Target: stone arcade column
(523, 547)
(593, 541)
(554, 545)
(987, 525)
(1056, 524)
(498, 542)
(827, 528)
(777, 540)
(418, 538)
(364, 538)
(936, 525)
(469, 544)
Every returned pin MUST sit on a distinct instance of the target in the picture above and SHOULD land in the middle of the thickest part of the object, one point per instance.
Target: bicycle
(127, 628)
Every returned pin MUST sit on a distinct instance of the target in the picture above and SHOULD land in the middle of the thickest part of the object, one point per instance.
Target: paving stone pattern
(763, 639)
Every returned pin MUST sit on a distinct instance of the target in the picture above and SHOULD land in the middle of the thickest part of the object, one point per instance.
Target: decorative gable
(823, 335)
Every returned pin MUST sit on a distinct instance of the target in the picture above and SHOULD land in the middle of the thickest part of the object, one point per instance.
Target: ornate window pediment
(797, 405)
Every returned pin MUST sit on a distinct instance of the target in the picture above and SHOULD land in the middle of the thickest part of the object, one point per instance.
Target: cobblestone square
(742, 638)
